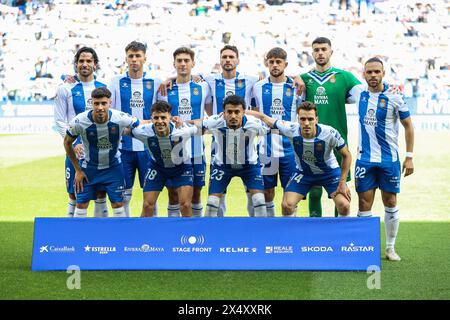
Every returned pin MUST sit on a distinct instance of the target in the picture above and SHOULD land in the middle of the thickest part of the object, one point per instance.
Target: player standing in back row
(377, 164)
(327, 87)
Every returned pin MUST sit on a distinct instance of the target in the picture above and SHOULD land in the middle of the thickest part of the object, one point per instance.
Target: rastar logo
(354, 248)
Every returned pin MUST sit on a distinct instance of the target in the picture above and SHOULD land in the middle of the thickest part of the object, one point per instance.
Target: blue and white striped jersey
(222, 88)
(101, 141)
(135, 97)
(235, 147)
(168, 151)
(379, 115)
(72, 99)
(278, 101)
(188, 102)
(315, 155)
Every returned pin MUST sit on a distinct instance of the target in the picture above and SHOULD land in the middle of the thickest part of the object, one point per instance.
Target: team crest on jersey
(332, 79)
(113, 130)
(288, 92)
(148, 85)
(240, 83)
(319, 146)
(195, 92)
(383, 103)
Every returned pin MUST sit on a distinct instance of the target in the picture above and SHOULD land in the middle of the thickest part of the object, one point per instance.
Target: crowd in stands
(39, 38)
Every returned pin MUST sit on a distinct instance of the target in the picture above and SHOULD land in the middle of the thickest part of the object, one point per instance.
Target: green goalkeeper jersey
(328, 91)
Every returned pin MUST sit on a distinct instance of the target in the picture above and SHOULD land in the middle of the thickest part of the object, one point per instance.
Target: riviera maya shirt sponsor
(144, 248)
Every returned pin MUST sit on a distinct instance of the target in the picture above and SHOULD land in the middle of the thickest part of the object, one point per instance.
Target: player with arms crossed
(235, 155)
(71, 100)
(188, 100)
(378, 165)
(313, 145)
(100, 130)
(170, 159)
(275, 96)
(134, 93)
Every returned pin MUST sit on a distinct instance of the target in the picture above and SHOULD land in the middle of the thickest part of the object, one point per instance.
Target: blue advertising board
(206, 243)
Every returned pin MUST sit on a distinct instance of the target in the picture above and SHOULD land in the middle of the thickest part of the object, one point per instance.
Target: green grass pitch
(36, 188)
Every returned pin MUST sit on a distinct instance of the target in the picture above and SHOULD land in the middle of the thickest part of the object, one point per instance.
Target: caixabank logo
(43, 249)
(192, 243)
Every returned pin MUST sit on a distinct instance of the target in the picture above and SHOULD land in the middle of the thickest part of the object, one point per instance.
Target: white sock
(212, 206)
(250, 209)
(259, 203)
(173, 211)
(364, 214)
(71, 208)
(391, 222)
(222, 207)
(197, 209)
(155, 210)
(270, 207)
(119, 212)
(126, 201)
(80, 213)
(100, 208)
(295, 211)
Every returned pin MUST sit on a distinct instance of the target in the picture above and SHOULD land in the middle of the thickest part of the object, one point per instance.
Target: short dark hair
(184, 50)
(100, 92)
(374, 59)
(307, 105)
(234, 100)
(87, 50)
(161, 106)
(321, 40)
(232, 48)
(277, 52)
(136, 46)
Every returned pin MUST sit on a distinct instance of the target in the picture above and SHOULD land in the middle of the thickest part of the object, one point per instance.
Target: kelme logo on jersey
(321, 96)
(137, 101)
(104, 143)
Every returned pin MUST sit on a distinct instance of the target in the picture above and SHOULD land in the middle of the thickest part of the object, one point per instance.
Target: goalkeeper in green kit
(327, 87)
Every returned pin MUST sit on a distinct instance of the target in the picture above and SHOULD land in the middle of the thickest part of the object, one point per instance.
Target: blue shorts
(220, 177)
(70, 175)
(301, 183)
(158, 177)
(385, 176)
(283, 166)
(110, 180)
(198, 171)
(131, 161)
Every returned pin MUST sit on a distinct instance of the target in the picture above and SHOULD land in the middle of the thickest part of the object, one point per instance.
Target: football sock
(250, 209)
(259, 203)
(100, 208)
(197, 209)
(391, 222)
(119, 212)
(222, 207)
(126, 201)
(295, 211)
(315, 202)
(270, 209)
(80, 213)
(173, 211)
(212, 206)
(364, 214)
(71, 208)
